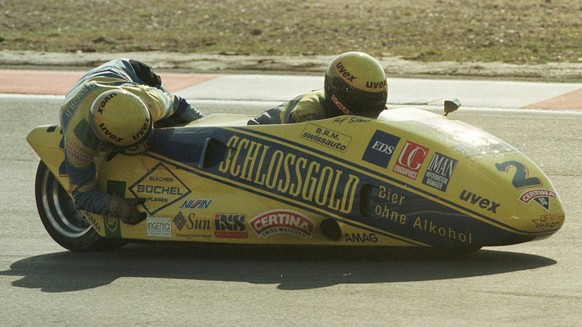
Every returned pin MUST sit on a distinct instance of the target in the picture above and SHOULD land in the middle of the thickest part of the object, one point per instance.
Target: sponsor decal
(289, 173)
(390, 196)
(112, 137)
(439, 171)
(549, 221)
(479, 201)
(230, 225)
(191, 222)
(326, 137)
(179, 220)
(344, 72)
(192, 227)
(376, 85)
(282, 222)
(160, 187)
(340, 105)
(361, 238)
(94, 222)
(112, 224)
(429, 226)
(143, 131)
(196, 204)
(541, 196)
(350, 120)
(159, 227)
(380, 149)
(410, 160)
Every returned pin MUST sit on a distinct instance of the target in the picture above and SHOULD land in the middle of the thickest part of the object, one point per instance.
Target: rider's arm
(307, 107)
(166, 109)
(82, 174)
(302, 108)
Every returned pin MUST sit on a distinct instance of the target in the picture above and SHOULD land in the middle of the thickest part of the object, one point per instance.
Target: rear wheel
(64, 223)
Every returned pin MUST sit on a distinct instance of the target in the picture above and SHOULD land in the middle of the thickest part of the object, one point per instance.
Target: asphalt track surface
(530, 284)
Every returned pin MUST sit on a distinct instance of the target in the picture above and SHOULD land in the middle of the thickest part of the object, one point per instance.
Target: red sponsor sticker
(527, 196)
(410, 160)
(282, 222)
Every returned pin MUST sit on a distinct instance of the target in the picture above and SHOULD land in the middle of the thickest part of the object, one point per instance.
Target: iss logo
(380, 149)
(410, 160)
(229, 225)
(439, 171)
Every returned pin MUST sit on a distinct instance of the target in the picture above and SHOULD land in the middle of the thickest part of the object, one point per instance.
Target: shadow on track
(292, 268)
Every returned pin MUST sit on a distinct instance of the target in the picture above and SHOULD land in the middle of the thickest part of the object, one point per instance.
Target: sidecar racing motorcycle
(409, 178)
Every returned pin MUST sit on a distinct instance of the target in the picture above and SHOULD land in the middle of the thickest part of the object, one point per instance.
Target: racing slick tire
(65, 224)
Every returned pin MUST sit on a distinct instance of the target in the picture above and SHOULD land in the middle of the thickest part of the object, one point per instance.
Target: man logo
(439, 171)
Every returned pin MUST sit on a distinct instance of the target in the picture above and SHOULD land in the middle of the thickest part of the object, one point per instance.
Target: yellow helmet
(355, 83)
(123, 120)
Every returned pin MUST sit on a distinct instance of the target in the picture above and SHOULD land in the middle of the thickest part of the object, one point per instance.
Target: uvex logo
(109, 134)
(347, 75)
(477, 200)
(376, 85)
(103, 102)
(142, 130)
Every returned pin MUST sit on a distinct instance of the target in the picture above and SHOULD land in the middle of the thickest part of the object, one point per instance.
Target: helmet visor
(357, 101)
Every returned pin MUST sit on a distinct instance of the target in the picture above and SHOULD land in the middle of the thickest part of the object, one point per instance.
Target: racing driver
(114, 108)
(355, 84)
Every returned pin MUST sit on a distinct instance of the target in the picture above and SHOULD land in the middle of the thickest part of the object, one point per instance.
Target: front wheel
(64, 223)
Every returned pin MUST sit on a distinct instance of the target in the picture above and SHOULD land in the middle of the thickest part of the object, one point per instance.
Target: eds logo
(380, 149)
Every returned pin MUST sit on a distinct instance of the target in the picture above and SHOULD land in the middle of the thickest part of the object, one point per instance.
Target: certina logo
(439, 171)
(230, 225)
(282, 222)
(541, 196)
(410, 160)
(289, 173)
(380, 149)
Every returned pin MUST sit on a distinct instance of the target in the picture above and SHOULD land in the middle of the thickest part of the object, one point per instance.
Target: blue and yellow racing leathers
(305, 107)
(81, 144)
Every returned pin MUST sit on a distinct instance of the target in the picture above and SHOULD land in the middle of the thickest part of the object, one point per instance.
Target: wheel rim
(60, 209)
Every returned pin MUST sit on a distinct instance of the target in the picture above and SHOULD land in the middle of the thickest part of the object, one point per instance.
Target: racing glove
(184, 114)
(146, 74)
(125, 209)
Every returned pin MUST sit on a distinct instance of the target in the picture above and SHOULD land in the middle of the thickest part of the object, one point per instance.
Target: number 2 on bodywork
(520, 177)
